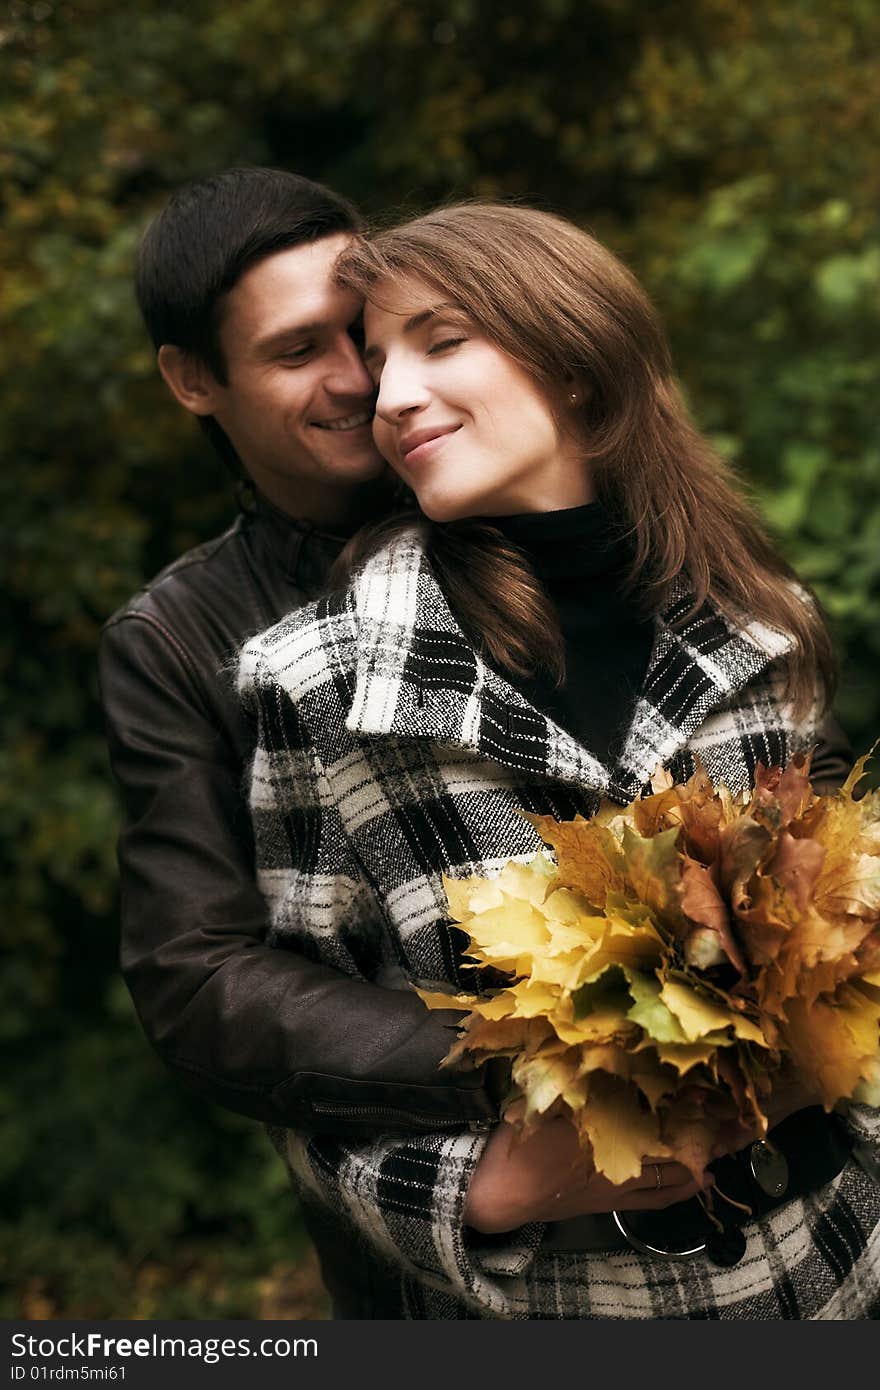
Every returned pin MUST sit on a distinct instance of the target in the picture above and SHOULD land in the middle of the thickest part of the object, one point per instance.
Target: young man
(235, 283)
(234, 279)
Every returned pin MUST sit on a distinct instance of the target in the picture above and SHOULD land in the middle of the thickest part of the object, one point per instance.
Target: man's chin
(360, 468)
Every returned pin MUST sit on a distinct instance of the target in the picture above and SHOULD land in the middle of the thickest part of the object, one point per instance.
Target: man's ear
(189, 379)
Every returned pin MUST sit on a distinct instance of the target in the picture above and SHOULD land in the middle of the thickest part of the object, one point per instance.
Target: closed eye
(445, 345)
(296, 356)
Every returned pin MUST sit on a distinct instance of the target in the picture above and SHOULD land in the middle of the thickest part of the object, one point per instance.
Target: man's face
(298, 402)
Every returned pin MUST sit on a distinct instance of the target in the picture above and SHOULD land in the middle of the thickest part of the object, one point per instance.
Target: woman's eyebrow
(437, 311)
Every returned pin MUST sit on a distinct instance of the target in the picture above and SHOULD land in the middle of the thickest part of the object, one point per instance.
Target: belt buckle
(658, 1252)
(769, 1168)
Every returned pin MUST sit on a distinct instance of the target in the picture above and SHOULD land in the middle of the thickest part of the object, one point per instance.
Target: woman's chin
(445, 508)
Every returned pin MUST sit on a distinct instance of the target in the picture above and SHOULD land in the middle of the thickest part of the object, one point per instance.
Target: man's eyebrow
(437, 311)
(282, 336)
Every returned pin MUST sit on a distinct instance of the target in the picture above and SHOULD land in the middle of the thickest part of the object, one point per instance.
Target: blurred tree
(726, 150)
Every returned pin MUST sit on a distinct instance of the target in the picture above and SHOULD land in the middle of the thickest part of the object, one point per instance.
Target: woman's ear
(577, 393)
(189, 380)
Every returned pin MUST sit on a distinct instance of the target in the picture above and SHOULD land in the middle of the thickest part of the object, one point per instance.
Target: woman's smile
(417, 445)
(437, 376)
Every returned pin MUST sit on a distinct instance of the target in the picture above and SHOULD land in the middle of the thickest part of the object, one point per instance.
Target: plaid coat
(389, 753)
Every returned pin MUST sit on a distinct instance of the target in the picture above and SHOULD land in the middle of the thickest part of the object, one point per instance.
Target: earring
(572, 396)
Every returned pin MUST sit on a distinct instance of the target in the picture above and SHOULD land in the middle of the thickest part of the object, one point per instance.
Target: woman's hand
(546, 1177)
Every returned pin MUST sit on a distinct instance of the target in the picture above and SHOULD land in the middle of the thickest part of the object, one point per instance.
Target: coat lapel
(698, 664)
(418, 676)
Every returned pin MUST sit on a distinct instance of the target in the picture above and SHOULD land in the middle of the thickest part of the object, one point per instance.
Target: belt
(800, 1155)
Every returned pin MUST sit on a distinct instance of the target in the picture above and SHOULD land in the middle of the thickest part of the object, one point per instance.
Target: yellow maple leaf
(620, 1127)
(683, 1056)
(698, 1016)
(533, 998)
(436, 1000)
(834, 1044)
(546, 1080)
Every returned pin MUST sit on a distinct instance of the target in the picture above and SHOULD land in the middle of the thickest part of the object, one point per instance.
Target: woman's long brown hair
(569, 312)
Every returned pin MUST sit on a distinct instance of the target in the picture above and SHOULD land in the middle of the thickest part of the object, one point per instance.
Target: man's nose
(350, 376)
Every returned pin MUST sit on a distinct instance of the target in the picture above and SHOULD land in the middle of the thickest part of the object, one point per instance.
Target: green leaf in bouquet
(652, 1013)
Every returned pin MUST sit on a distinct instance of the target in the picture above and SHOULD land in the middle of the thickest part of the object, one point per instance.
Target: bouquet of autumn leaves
(681, 957)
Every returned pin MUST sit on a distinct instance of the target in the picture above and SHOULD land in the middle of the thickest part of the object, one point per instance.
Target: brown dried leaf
(796, 866)
(742, 846)
(588, 856)
(781, 796)
(702, 903)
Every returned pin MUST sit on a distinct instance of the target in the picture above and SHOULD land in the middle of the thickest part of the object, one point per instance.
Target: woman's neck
(570, 543)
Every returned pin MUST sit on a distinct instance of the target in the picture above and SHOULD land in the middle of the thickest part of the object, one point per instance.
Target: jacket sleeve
(268, 1033)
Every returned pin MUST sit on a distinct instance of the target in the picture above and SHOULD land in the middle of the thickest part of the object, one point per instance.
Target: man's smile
(346, 422)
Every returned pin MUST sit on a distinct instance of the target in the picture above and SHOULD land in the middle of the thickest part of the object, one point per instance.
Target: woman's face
(463, 424)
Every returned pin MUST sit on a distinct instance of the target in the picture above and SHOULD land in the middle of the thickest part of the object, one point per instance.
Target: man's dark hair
(209, 233)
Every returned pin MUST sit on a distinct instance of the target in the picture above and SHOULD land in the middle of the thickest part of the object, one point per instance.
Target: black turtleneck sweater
(580, 562)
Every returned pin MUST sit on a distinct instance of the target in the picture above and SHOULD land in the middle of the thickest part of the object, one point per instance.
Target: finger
(645, 1200)
(655, 1177)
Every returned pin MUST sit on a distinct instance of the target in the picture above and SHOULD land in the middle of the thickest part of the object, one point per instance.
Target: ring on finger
(658, 1173)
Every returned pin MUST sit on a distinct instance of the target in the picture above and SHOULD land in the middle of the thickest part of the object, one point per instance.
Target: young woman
(581, 596)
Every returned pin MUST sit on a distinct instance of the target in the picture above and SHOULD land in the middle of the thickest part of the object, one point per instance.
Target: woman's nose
(400, 393)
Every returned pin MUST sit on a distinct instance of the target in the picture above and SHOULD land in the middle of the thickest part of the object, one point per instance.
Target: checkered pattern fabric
(389, 753)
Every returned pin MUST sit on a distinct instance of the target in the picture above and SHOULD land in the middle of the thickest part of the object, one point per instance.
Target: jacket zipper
(379, 1112)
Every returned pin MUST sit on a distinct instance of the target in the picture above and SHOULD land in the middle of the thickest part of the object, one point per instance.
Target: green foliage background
(726, 150)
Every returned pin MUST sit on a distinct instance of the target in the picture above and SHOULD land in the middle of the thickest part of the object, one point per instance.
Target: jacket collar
(418, 676)
(302, 551)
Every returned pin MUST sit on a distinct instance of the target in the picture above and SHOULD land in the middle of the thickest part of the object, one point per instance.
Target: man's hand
(546, 1177)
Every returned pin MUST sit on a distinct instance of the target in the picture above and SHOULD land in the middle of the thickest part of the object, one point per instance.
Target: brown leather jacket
(261, 1031)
